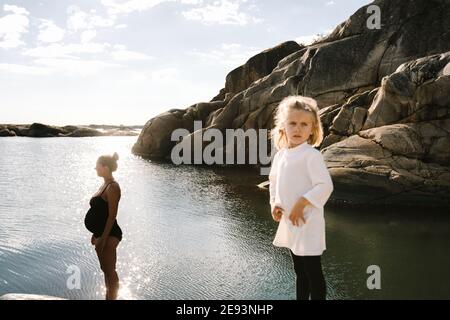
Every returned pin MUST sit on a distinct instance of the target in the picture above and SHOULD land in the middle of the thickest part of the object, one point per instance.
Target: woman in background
(101, 221)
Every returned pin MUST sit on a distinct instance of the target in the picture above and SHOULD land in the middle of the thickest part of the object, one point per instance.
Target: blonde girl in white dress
(300, 185)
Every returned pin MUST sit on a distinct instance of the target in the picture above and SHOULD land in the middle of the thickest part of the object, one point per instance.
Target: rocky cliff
(384, 99)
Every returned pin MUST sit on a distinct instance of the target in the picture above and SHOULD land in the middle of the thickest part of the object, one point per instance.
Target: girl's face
(298, 126)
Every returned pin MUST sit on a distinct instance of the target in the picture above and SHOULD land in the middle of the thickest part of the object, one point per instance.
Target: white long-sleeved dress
(300, 172)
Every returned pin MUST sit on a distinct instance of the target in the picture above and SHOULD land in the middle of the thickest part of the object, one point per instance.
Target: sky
(126, 61)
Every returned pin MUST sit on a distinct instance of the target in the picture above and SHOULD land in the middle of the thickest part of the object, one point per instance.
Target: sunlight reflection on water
(189, 232)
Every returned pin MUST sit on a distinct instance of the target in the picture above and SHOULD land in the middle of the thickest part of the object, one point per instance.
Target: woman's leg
(317, 285)
(100, 258)
(302, 283)
(108, 265)
(110, 268)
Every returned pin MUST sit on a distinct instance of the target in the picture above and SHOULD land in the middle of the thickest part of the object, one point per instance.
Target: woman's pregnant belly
(95, 221)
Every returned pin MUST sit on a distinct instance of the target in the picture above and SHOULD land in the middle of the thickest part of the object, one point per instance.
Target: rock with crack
(393, 164)
(403, 155)
(386, 80)
(350, 61)
(417, 91)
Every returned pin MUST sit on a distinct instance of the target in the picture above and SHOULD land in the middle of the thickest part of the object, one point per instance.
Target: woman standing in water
(101, 221)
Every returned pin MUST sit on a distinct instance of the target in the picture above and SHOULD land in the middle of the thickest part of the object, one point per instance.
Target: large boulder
(155, 138)
(39, 130)
(84, 132)
(402, 154)
(255, 68)
(351, 60)
(418, 91)
(400, 163)
(5, 132)
(380, 91)
(19, 130)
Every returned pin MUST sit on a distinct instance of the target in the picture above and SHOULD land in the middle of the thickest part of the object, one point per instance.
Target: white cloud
(15, 9)
(309, 39)
(220, 12)
(23, 69)
(118, 7)
(121, 26)
(231, 55)
(75, 50)
(166, 75)
(87, 35)
(126, 55)
(75, 66)
(191, 2)
(329, 3)
(50, 32)
(79, 55)
(306, 40)
(81, 20)
(13, 26)
(115, 7)
(57, 50)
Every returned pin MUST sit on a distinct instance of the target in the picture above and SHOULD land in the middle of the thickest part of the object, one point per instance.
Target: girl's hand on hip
(296, 215)
(277, 213)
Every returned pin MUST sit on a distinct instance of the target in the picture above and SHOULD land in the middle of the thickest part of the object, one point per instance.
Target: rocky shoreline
(384, 100)
(39, 130)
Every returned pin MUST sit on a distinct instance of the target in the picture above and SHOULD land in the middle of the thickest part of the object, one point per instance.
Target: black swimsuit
(97, 215)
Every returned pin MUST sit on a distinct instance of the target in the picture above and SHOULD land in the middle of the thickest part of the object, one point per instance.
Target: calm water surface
(192, 232)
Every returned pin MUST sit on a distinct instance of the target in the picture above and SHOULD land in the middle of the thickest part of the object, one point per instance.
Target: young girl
(300, 185)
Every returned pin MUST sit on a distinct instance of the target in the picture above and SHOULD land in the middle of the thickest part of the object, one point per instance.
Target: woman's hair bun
(115, 156)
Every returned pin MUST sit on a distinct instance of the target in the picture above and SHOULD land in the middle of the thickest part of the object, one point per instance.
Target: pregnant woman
(101, 221)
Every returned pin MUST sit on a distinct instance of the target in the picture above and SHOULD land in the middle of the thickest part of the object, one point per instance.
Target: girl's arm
(303, 202)
(321, 180)
(272, 189)
(273, 181)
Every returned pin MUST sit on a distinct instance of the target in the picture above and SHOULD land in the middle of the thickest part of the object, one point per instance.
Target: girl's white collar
(298, 148)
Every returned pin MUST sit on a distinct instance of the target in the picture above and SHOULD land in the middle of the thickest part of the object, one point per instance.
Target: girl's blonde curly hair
(296, 103)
